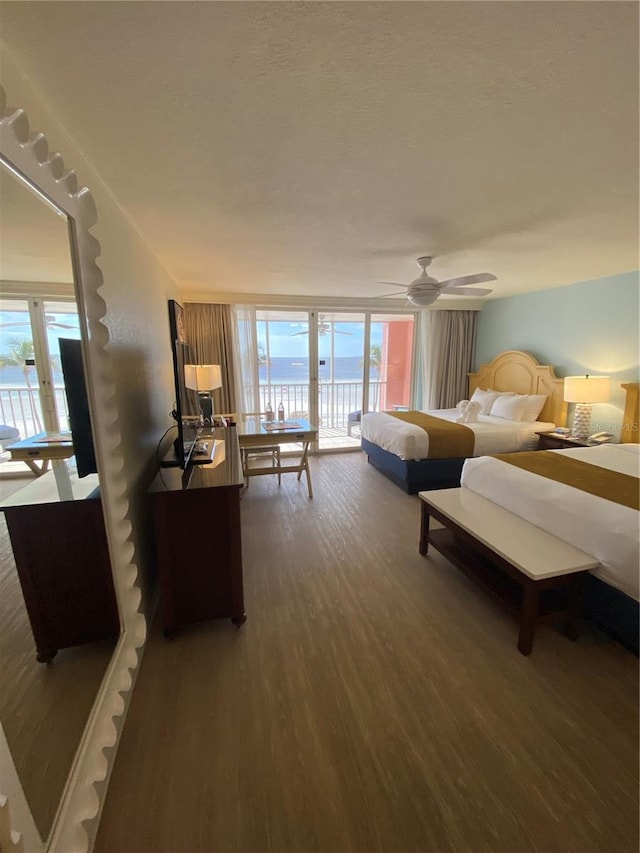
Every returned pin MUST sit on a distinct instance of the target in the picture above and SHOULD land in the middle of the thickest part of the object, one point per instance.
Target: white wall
(587, 327)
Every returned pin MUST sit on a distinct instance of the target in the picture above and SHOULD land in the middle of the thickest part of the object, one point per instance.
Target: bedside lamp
(585, 390)
(203, 378)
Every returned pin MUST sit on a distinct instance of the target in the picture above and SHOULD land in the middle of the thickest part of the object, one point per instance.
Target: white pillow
(485, 398)
(535, 404)
(511, 407)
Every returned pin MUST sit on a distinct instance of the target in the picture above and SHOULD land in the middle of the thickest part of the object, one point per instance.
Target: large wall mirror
(68, 642)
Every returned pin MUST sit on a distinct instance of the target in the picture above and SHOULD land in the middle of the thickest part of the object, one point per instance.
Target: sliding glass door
(390, 361)
(32, 397)
(283, 362)
(341, 363)
(327, 367)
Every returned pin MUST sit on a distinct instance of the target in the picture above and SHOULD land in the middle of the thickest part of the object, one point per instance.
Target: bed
(597, 514)
(400, 450)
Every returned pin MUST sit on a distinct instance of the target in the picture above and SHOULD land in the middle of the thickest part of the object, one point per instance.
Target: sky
(286, 342)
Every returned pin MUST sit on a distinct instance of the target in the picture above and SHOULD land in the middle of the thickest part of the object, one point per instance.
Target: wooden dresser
(62, 558)
(198, 538)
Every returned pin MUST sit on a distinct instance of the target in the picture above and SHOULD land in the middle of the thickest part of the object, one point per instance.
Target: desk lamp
(203, 378)
(585, 390)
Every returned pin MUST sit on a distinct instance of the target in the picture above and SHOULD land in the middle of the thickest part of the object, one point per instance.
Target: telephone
(600, 437)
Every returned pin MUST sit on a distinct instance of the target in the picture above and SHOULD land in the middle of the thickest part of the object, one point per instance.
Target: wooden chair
(271, 451)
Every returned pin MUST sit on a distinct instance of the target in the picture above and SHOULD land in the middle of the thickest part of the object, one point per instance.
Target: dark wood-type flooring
(374, 702)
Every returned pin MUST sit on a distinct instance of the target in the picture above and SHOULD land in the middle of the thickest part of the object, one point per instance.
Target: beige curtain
(451, 352)
(209, 332)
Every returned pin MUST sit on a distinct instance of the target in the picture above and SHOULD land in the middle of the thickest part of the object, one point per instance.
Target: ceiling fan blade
(393, 283)
(295, 334)
(468, 279)
(395, 293)
(467, 291)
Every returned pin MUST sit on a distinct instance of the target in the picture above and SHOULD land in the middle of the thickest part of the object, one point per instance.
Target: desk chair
(353, 418)
(271, 451)
(8, 435)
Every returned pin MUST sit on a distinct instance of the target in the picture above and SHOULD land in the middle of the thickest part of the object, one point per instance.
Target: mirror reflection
(58, 614)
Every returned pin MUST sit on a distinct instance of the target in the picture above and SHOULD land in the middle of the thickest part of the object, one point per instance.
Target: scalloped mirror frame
(28, 153)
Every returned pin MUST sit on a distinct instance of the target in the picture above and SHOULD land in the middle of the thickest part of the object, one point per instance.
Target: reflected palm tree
(21, 353)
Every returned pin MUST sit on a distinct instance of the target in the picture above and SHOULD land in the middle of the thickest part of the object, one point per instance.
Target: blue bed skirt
(414, 475)
(613, 611)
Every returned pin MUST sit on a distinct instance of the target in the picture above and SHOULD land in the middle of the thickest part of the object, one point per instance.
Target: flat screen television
(187, 408)
(72, 365)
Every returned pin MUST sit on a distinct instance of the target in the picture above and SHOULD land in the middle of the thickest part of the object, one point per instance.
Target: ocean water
(283, 371)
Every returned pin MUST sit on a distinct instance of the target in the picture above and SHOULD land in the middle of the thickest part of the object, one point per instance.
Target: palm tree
(19, 353)
(375, 362)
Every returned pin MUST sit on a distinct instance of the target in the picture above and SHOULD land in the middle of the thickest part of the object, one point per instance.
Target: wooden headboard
(631, 417)
(520, 372)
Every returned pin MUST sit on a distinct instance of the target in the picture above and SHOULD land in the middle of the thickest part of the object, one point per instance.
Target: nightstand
(553, 441)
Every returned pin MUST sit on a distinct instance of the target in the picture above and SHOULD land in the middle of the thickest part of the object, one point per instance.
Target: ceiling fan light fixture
(424, 290)
(422, 300)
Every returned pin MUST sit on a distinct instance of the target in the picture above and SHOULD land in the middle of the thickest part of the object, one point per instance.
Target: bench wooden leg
(528, 617)
(423, 545)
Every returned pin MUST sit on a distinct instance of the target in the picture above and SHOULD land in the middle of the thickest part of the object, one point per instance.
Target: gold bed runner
(601, 482)
(447, 440)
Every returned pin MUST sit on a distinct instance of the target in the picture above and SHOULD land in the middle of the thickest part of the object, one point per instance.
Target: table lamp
(585, 390)
(203, 378)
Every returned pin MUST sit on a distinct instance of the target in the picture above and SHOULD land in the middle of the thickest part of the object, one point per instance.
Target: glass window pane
(340, 378)
(20, 406)
(283, 361)
(390, 359)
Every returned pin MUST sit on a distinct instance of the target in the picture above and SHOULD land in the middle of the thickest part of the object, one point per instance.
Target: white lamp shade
(202, 377)
(587, 389)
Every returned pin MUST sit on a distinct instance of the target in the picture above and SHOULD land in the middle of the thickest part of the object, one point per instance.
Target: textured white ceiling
(316, 148)
(34, 241)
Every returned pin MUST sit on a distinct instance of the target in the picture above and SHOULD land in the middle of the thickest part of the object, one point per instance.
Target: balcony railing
(335, 400)
(20, 407)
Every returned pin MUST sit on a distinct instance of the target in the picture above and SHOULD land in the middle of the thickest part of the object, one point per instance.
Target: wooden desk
(42, 448)
(198, 537)
(253, 433)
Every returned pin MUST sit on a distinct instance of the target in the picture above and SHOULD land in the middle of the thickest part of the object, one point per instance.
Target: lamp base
(581, 427)
(206, 407)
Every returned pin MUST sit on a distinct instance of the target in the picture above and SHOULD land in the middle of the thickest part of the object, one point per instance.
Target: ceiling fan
(325, 327)
(425, 289)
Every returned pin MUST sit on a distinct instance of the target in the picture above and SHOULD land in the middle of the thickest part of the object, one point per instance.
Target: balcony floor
(332, 438)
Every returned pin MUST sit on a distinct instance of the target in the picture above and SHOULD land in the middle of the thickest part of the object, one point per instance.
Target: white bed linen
(408, 441)
(608, 531)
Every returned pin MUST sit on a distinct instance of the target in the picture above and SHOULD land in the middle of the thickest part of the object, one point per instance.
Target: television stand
(193, 509)
(62, 561)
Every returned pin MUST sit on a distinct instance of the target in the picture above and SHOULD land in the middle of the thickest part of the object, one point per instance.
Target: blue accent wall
(588, 327)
